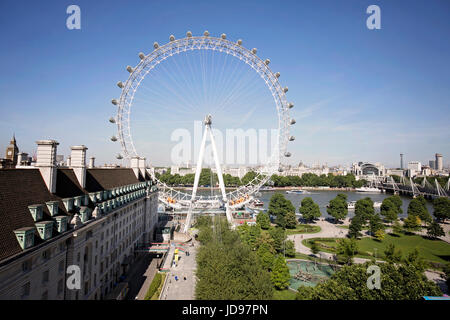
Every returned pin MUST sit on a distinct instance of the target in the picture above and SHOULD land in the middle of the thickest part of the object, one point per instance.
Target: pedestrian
(184, 278)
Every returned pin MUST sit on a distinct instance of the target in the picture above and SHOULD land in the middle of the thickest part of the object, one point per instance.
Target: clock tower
(11, 151)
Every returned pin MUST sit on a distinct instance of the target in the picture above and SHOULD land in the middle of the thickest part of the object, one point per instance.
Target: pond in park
(308, 273)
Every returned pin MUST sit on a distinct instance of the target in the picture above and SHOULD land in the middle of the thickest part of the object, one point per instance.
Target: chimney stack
(46, 162)
(78, 163)
(92, 162)
(135, 166)
(142, 166)
(401, 160)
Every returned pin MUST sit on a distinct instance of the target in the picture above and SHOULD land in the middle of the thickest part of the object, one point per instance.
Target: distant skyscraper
(432, 164)
(439, 162)
(401, 160)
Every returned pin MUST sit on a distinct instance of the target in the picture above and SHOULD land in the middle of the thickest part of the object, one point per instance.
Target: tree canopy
(309, 209)
(398, 282)
(338, 207)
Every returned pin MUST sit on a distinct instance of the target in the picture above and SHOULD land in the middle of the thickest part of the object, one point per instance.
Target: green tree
(309, 209)
(253, 236)
(279, 236)
(364, 209)
(266, 256)
(347, 249)
(375, 224)
(289, 248)
(398, 202)
(417, 207)
(412, 223)
(379, 234)
(229, 264)
(399, 282)
(263, 220)
(338, 207)
(441, 207)
(279, 206)
(389, 210)
(280, 273)
(305, 293)
(397, 228)
(435, 230)
(392, 254)
(290, 220)
(355, 227)
(314, 247)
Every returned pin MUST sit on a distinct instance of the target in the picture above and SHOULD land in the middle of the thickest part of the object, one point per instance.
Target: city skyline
(348, 108)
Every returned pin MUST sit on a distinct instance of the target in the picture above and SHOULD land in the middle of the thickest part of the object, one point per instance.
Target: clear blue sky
(359, 94)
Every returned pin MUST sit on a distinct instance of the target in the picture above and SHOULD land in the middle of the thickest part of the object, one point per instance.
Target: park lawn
(303, 228)
(430, 250)
(286, 294)
(343, 227)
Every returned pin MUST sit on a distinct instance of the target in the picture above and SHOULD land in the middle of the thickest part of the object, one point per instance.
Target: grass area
(286, 294)
(343, 227)
(155, 286)
(303, 228)
(158, 291)
(430, 250)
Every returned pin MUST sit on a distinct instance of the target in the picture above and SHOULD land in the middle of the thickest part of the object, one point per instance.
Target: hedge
(153, 286)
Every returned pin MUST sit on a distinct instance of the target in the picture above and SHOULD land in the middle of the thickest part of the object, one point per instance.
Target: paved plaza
(182, 289)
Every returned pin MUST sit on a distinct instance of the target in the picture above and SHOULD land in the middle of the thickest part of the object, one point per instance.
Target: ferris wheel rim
(206, 42)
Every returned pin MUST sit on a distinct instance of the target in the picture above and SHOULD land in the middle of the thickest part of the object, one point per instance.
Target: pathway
(182, 289)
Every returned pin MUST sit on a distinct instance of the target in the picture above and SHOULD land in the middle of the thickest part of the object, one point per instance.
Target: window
(61, 266)
(60, 286)
(95, 261)
(44, 295)
(78, 257)
(26, 289)
(26, 265)
(45, 276)
(46, 255)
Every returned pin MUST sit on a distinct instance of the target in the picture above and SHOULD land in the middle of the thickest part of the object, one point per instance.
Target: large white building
(52, 218)
(414, 168)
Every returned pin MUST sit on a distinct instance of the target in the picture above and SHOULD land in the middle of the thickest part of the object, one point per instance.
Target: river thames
(323, 197)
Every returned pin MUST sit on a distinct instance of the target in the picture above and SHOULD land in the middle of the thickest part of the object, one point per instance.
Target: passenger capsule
(277, 74)
(285, 89)
(141, 56)
(114, 102)
(280, 169)
(129, 69)
(189, 34)
(206, 33)
(113, 139)
(266, 62)
(290, 105)
(156, 45)
(120, 84)
(172, 38)
(112, 120)
(239, 42)
(287, 154)
(254, 50)
(291, 138)
(223, 36)
(292, 121)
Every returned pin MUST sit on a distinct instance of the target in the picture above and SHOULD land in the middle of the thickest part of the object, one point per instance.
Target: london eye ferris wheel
(219, 68)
